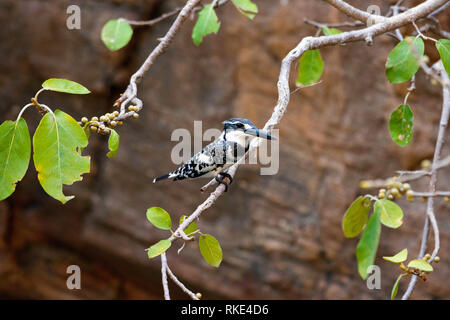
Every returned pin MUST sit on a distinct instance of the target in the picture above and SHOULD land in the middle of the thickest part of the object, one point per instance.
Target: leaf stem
(23, 110)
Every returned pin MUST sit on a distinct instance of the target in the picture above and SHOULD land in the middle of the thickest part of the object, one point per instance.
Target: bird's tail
(161, 178)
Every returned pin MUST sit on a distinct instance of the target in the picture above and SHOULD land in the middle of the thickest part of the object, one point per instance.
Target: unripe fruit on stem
(93, 129)
(427, 256)
(116, 113)
(135, 115)
(395, 192)
(390, 197)
(199, 295)
(437, 259)
(113, 123)
(425, 163)
(84, 120)
(94, 119)
(410, 195)
(104, 119)
(406, 186)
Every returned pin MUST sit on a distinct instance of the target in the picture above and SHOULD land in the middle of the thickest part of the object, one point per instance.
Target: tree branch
(433, 180)
(355, 13)
(164, 276)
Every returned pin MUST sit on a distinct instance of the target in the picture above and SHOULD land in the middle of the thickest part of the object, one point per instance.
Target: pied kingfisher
(222, 153)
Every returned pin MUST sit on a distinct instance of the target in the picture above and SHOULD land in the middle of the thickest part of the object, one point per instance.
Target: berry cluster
(106, 122)
(396, 190)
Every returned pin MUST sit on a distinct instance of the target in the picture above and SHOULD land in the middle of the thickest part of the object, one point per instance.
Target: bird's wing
(211, 159)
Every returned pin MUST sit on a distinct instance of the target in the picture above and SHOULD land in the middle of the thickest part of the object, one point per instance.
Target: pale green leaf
(207, 23)
(246, 7)
(56, 159)
(210, 250)
(330, 31)
(15, 152)
(402, 64)
(159, 248)
(368, 244)
(113, 144)
(421, 265)
(395, 287)
(355, 217)
(192, 227)
(391, 213)
(116, 34)
(159, 217)
(310, 68)
(399, 257)
(443, 46)
(401, 125)
(63, 85)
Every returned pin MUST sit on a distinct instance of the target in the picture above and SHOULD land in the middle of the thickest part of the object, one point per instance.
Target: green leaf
(399, 257)
(402, 64)
(246, 7)
(15, 152)
(159, 248)
(355, 217)
(113, 144)
(190, 228)
(56, 159)
(63, 85)
(443, 46)
(421, 265)
(310, 68)
(330, 31)
(391, 213)
(207, 23)
(116, 34)
(368, 244)
(401, 125)
(395, 287)
(210, 250)
(159, 217)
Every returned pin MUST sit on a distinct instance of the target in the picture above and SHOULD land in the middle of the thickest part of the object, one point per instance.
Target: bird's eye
(239, 125)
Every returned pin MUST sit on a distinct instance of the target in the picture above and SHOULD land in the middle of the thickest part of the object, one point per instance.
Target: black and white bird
(222, 153)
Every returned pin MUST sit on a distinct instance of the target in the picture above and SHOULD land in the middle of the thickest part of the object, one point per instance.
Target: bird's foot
(226, 175)
(220, 181)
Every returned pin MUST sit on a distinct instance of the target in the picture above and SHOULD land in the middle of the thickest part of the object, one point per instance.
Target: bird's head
(244, 127)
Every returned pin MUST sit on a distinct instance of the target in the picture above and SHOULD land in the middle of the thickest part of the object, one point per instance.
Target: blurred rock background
(281, 235)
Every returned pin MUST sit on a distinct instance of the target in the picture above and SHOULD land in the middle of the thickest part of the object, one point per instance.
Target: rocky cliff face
(281, 234)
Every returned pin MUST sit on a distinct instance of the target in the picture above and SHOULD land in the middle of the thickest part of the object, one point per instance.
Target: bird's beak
(260, 133)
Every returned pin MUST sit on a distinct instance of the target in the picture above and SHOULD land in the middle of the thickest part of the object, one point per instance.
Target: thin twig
(152, 22)
(181, 285)
(431, 194)
(164, 276)
(334, 25)
(431, 219)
